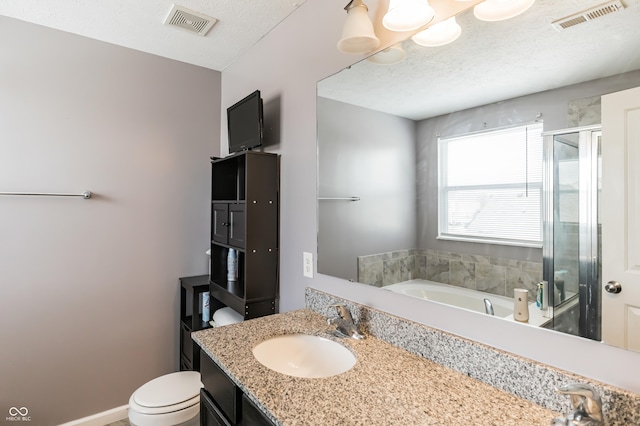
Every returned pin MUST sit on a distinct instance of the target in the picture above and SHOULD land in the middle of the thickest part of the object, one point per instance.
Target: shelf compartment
(219, 271)
(185, 364)
(191, 289)
(228, 178)
(247, 308)
(199, 323)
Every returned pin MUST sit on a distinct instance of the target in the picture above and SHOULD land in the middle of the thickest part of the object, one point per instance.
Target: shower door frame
(589, 289)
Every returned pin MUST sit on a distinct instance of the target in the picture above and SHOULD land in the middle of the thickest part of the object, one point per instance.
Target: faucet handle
(342, 311)
(345, 326)
(585, 400)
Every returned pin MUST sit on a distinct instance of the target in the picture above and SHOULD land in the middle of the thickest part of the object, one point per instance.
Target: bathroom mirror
(378, 132)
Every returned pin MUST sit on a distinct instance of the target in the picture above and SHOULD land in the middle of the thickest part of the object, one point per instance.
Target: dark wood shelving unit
(245, 217)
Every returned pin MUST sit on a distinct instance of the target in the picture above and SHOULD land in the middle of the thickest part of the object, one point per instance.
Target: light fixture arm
(355, 3)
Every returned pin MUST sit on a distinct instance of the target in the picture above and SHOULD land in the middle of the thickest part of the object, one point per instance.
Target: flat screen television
(244, 123)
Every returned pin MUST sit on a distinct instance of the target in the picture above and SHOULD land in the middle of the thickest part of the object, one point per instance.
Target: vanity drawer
(225, 394)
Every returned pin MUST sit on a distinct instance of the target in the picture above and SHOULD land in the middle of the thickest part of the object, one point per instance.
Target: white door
(620, 209)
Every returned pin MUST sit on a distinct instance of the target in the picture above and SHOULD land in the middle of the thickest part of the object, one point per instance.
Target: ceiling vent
(588, 15)
(189, 20)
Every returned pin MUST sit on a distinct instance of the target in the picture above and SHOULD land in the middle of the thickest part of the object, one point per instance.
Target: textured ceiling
(138, 24)
(493, 61)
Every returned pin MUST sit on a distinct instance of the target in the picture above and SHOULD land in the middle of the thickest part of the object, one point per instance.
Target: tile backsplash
(483, 273)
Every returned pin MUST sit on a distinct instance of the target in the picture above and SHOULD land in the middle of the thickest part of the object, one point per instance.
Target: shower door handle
(613, 287)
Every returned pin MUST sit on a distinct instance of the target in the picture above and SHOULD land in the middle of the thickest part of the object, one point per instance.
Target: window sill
(490, 241)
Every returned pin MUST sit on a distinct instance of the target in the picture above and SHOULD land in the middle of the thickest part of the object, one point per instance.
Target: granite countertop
(387, 385)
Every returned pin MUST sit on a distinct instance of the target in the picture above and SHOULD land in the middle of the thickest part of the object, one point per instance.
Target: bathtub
(452, 295)
(465, 298)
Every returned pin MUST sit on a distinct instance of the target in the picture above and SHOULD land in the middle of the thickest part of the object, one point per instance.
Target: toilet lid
(170, 389)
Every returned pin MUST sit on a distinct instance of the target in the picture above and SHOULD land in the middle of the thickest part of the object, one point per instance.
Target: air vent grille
(189, 20)
(588, 15)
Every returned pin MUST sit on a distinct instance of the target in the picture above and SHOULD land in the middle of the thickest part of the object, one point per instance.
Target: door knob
(613, 287)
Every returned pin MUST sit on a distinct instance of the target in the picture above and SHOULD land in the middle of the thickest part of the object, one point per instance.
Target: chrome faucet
(587, 406)
(488, 307)
(345, 326)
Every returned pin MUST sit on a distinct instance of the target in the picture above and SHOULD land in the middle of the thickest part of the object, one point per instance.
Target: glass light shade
(389, 56)
(407, 15)
(499, 10)
(439, 34)
(357, 34)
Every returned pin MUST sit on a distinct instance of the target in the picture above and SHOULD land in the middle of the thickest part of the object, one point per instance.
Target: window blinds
(490, 185)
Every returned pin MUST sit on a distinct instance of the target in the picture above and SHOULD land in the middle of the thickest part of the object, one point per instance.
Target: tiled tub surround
(518, 376)
(483, 273)
(584, 112)
(387, 386)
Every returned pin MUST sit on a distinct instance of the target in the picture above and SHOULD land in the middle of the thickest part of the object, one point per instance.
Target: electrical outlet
(307, 264)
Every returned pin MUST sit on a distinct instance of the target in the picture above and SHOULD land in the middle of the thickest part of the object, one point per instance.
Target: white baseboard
(102, 419)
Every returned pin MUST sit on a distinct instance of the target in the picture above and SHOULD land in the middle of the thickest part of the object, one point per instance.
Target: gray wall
(554, 107)
(371, 155)
(285, 66)
(89, 288)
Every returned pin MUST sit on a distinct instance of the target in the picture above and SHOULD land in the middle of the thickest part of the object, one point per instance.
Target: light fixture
(357, 33)
(389, 56)
(439, 34)
(407, 15)
(499, 10)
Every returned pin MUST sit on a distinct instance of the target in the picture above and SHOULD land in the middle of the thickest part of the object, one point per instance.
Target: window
(490, 186)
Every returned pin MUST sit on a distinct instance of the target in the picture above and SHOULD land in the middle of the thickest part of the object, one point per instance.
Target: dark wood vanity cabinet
(252, 415)
(210, 414)
(222, 403)
(244, 218)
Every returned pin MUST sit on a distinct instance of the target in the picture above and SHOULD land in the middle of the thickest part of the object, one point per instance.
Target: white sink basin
(302, 355)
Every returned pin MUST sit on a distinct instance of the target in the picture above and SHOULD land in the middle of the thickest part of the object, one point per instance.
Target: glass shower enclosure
(572, 232)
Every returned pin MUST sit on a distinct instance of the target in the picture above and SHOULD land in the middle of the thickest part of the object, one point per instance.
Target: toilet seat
(165, 408)
(167, 400)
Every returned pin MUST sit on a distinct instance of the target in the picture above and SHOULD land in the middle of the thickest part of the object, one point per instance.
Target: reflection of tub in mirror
(458, 89)
(464, 298)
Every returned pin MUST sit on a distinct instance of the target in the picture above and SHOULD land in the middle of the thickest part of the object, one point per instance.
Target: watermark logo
(18, 415)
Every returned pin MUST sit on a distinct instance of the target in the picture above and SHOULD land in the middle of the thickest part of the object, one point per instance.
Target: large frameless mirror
(417, 194)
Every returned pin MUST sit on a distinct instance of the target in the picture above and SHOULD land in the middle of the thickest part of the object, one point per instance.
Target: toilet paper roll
(226, 316)
(521, 304)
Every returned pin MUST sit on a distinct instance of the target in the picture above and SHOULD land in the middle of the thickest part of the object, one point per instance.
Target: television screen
(244, 122)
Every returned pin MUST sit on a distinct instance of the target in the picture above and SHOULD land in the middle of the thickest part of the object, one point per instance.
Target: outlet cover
(307, 264)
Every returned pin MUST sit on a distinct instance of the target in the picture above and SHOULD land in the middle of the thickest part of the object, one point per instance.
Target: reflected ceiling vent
(588, 15)
(189, 20)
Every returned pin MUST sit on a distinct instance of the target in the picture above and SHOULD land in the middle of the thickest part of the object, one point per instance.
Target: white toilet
(169, 400)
